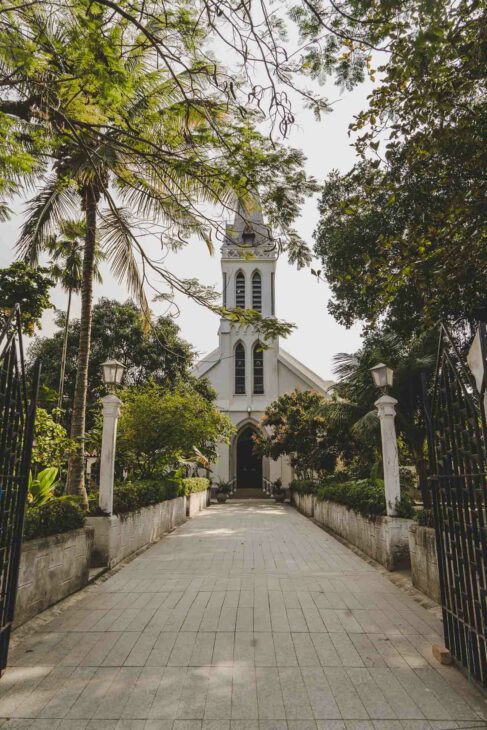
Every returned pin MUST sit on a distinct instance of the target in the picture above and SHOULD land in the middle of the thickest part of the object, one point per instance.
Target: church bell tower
(248, 261)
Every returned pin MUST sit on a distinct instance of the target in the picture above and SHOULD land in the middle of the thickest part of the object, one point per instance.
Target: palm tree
(134, 145)
(66, 253)
(353, 408)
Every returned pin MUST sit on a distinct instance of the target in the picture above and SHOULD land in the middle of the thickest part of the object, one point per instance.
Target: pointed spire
(248, 228)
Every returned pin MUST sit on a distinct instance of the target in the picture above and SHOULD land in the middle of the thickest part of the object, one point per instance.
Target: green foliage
(195, 484)
(352, 416)
(157, 353)
(224, 487)
(51, 518)
(159, 428)
(51, 442)
(425, 518)
(304, 486)
(21, 284)
(403, 234)
(298, 429)
(133, 495)
(365, 496)
(41, 488)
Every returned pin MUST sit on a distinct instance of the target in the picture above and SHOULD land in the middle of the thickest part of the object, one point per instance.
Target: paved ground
(248, 617)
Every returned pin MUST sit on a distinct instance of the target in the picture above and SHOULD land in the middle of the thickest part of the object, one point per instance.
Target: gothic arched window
(239, 368)
(258, 367)
(257, 291)
(240, 290)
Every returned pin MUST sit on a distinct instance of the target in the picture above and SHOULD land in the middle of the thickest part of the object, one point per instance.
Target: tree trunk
(76, 474)
(64, 353)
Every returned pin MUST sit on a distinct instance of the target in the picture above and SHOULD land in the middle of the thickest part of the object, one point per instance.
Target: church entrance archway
(249, 464)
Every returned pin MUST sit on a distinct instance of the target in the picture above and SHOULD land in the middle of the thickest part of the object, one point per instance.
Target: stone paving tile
(248, 617)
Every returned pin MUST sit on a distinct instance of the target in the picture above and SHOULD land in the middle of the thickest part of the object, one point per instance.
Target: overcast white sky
(299, 298)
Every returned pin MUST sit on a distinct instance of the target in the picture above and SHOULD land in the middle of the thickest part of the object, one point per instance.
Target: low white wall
(118, 536)
(196, 502)
(385, 539)
(52, 568)
(305, 503)
(424, 561)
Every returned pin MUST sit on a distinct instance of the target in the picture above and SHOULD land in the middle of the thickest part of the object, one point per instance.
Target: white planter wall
(197, 502)
(52, 568)
(424, 561)
(385, 539)
(119, 536)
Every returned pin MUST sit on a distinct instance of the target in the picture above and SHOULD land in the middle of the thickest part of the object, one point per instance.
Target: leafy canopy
(158, 353)
(161, 428)
(135, 115)
(404, 233)
(295, 426)
(21, 284)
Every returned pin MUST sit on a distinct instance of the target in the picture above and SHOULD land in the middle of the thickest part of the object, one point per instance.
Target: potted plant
(223, 490)
(278, 492)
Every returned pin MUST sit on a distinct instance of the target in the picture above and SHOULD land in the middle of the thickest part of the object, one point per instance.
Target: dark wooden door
(249, 465)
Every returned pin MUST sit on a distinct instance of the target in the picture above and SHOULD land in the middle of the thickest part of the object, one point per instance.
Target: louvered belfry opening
(257, 291)
(258, 365)
(240, 290)
(239, 369)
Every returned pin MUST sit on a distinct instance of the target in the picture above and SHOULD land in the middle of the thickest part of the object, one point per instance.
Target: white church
(247, 378)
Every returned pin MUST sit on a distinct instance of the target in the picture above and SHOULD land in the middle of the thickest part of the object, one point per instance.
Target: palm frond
(120, 243)
(367, 427)
(45, 213)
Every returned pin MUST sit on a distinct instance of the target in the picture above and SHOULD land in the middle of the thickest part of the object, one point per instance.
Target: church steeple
(248, 229)
(249, 259)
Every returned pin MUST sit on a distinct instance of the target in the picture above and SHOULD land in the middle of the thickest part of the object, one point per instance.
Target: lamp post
(386, 408)
(112, 372)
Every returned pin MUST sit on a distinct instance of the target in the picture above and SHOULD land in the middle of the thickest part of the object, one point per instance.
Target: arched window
(240, 290)
(258, 366)
(257, 291)
(239, 368)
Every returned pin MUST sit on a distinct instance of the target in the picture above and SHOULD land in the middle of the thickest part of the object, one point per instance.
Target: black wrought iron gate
(16, 436)
(459, 464)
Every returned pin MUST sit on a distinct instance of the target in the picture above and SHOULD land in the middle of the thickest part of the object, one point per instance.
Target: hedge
(365, 496)
(310, 486)
(133, 495)
(195, 484)
(52, 518)
(304, 486)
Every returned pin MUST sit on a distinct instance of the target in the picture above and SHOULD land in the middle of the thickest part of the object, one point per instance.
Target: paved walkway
(248, 617)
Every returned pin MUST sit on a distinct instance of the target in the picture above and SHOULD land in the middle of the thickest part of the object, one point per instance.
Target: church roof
(308, 375)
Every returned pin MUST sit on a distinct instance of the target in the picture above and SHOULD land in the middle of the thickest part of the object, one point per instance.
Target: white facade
(248, 260)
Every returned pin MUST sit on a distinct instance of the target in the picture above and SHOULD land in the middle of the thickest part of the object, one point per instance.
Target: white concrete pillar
(111, 412)
(386, 410)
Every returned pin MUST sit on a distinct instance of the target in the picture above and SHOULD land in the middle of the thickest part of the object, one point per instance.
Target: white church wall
(289, 381)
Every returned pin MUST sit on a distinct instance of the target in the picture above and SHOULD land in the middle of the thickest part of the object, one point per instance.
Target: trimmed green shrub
(304, 486)
(52, 518)
(365, 496)
(195, 484)
(310, 486)
(132, 496)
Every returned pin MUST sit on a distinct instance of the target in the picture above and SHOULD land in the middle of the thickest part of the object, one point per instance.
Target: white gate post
(111, 412)
(386, 411)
